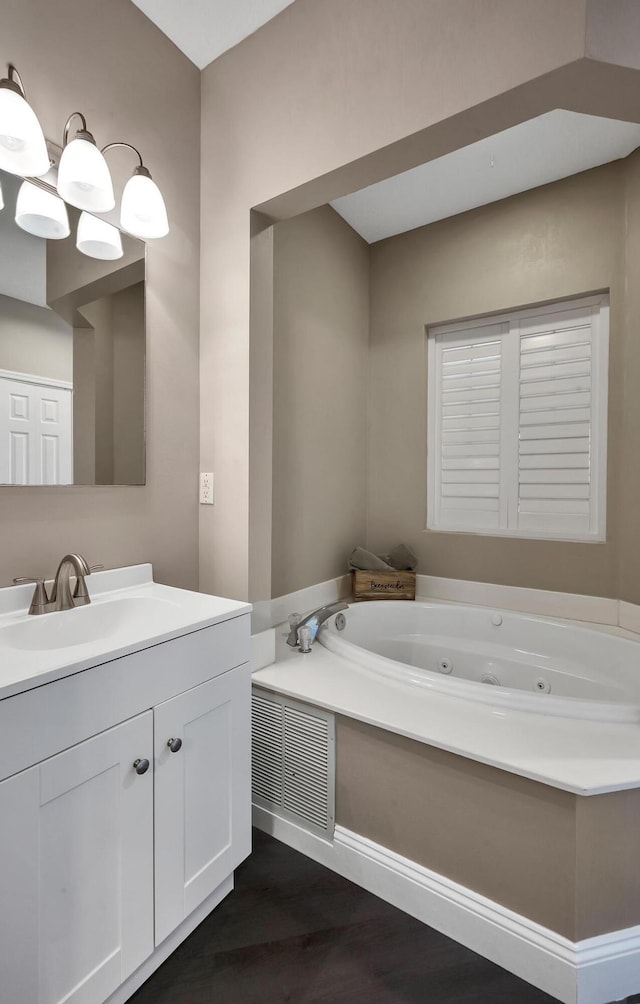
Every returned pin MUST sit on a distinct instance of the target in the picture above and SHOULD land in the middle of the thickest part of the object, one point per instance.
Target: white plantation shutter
(556, 473)
(517, 423)
(469, 375)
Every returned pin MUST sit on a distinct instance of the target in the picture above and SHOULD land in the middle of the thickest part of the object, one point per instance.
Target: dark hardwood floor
(293, 931)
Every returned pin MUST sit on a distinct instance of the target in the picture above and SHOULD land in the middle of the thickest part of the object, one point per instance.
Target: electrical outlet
(206, 489)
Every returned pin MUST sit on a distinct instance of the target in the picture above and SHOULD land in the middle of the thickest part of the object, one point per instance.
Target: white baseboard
(595, 971)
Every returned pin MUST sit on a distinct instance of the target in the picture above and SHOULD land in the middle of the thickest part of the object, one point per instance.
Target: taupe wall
(261, 426)
(557, 241)
(309, 107)
(313, 106)
(128, 385)
(84, 406)
(629, 385)
(108, 367)
(575, 236)
(34, 340)
(320, 355)
(566, 861)
(100, 316)
(132, 84)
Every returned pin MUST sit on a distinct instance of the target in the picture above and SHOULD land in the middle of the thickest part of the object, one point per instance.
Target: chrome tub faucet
(321, 615)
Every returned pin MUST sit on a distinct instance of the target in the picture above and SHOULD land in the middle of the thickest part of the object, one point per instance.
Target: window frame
(508, 400)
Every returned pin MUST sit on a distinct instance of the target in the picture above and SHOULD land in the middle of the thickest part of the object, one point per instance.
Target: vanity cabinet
(201, 793)
(76, 846)
(109, 846)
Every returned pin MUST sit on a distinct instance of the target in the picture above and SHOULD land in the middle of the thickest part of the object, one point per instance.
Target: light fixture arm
(14, 81)
(140, 169)
(81, 133)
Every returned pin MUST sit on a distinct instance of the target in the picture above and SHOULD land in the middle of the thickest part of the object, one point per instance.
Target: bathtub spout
(322, 614)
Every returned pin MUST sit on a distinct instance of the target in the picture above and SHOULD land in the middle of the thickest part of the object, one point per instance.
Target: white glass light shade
(98, 239)
(83, 177)
(1, 198)
(142, 211)
(23, 149)
(41, 213)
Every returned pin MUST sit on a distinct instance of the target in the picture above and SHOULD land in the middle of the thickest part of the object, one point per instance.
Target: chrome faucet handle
(40, 600)
(305, 637)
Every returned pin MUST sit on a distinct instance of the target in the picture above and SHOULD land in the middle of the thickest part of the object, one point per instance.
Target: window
(517, 423)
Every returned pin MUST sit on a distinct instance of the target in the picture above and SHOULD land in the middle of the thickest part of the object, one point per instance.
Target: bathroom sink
(128, 612)
(85, 625)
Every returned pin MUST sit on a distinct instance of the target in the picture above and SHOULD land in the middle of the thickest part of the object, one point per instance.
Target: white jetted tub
(494, 656)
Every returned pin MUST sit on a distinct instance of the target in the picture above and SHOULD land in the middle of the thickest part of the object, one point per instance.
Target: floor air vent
(293, 761)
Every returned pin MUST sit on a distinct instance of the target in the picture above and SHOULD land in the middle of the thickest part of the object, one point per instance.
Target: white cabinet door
(76, 870)
(202, 792)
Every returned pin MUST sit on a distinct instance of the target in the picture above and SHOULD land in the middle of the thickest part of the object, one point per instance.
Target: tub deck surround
(436, 808)
(582, 757)
(599, 610)
(128, 612)
(438, 812)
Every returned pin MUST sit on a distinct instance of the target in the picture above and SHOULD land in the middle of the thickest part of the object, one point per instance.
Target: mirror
(72, 356)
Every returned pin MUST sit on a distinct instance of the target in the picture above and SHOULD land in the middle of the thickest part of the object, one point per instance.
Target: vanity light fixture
(1, 198)
(142, 210)
(98, 239)
(83, 179)
(83, 175)
(41, 213)
(23, 149)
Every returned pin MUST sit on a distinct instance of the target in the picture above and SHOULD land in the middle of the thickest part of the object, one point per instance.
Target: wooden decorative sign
(384, 585)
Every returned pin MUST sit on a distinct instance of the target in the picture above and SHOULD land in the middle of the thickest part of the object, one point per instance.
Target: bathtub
(497, 657)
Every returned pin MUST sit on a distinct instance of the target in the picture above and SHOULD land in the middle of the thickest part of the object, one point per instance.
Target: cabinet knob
(174, 745)
(141, 766)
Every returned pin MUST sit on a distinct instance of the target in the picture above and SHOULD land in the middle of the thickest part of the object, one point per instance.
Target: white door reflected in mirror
(36, 430)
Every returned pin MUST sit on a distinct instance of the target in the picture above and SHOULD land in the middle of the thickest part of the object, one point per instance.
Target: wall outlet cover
(206, 489)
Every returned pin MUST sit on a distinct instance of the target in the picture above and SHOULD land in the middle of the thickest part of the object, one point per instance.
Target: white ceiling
(533, 153)
(204, 29)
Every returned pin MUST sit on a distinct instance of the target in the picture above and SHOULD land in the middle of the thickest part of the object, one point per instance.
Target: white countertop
(159, 613)
(583, 757)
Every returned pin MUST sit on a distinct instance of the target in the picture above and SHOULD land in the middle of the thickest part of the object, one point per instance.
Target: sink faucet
(61, 596)
(322, 614)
